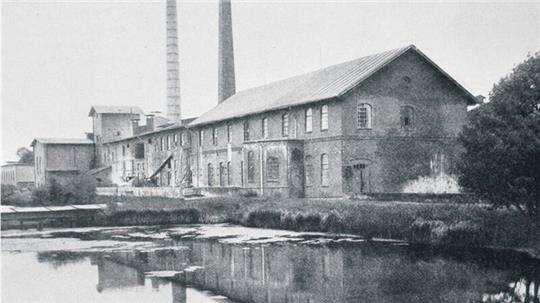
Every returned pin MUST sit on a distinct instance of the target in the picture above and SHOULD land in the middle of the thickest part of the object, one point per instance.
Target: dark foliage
(80, 190)
(25, 155)
(501, 162)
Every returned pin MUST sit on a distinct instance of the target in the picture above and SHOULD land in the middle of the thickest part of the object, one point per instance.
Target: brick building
(61, 159)
(368, 125)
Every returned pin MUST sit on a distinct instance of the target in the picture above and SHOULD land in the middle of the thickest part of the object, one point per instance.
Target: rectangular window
(324, 170)
(246, 130)
(229, 173)
(242, 173)
(175, 140)
(123, 151)
(309, 120)
(229, 133)
(324, 117)
(251, 167)
(363, 115)
(161, 143)
(168, 142)
(201, 137)
(265, 127)
(214, 136)
(285, 125)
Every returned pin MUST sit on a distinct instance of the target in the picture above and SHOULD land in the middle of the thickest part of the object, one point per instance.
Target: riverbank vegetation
(421, 223)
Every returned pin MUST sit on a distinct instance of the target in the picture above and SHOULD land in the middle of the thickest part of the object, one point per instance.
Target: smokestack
(173, 69)
(226, 81)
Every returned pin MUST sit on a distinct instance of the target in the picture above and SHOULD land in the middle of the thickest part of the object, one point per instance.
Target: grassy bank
(446, 224)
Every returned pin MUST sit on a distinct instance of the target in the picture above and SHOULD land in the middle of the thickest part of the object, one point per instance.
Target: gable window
(246, 130)
(229, 133)
(324, 170)
(214, 136)
(265, 127)
(285, 125)
(272, 169)
(363, 115)
(210, 174)
(309, 120)
(251, 167)
(407, 116)
(324, 117)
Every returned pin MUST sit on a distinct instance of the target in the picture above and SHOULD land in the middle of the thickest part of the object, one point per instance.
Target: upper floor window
(229, 133)
(175, 140)
(123, 151)
(214, 136)
(201, 137)
(251, 167)
(407, 116)
(285, 125)
(168, 142)
(309, 120)
(363, 113)
(272, 169)
(265, 127)
(246, 130)
(161, 143)
(229, 173)
(324, 117)
(324, 170)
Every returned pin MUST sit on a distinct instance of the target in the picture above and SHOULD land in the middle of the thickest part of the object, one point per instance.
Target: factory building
(378, 123)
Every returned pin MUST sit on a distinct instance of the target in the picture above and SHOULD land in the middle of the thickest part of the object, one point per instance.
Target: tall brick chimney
(226, 80)
(173, 66)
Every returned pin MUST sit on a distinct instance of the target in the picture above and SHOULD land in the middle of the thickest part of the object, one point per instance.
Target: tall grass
(448, 224)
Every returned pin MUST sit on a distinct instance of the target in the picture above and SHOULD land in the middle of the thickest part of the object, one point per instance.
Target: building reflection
(300, 273)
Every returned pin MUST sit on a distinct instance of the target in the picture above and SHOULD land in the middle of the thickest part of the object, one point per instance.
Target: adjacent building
(61, 159)
(18, 174)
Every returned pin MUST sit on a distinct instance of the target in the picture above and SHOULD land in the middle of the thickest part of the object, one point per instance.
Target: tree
(25, 155)
(501, 161)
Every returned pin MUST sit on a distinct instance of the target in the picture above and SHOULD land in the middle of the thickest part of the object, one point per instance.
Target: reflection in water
(300, 273)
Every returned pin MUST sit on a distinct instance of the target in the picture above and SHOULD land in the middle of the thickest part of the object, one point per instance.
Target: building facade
(369, 125)
(61, 159)
(18, 174)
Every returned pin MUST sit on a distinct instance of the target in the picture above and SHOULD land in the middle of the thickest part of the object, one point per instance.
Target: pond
(225, 263)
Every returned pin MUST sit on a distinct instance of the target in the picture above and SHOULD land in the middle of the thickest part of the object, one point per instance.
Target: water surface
(231, 264)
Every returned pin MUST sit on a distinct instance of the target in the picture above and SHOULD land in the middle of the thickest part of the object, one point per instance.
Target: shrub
(8, 190)
(79, 190)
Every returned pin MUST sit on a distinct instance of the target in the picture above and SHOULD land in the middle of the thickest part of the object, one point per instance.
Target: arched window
(309, 170)
(251, 167)
(246, 130)
(221, 174)
(285, 125)
(210, 174)
(272, 169)
(324, 170)
(265, 127)
(324, 117)
(309, 120)
(363, 115)
(407, 116)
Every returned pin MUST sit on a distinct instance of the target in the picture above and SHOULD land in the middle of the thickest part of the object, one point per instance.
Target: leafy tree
(501, 162)
(25, 155)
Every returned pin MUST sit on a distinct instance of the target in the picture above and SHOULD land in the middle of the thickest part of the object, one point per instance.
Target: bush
(8, 190)
(79, 190)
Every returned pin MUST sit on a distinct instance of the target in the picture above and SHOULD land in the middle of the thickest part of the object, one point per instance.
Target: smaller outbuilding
(61, 159)
(18, 174)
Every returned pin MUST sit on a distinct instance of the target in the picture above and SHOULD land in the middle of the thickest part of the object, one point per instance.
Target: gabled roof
(61, 141)
(323, 84)
(106, 109)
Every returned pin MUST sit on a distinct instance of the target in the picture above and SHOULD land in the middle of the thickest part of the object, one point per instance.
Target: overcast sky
(61, 57)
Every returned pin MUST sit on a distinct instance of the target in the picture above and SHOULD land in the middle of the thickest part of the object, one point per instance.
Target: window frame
(264, 127)
(272, 169)
(407, 113)
(368, 112)
(308, 120)
(285, 125)
(251, 167)
(325, 166)
(214, 136)
(229, 133)
(324, 117)
(246, 130)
